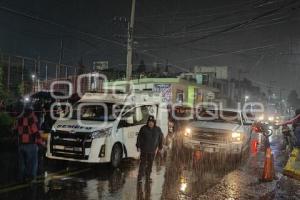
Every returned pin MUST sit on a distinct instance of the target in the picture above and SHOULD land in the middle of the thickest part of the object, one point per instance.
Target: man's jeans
(28, 161)
(146, 162)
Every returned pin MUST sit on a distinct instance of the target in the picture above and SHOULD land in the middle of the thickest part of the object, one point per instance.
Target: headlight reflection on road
(187, 132)
(183, 184)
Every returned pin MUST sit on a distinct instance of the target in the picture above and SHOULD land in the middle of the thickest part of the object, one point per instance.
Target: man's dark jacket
(149, 139)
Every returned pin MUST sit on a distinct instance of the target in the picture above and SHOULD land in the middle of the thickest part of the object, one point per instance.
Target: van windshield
(96, 111)
(219, 116)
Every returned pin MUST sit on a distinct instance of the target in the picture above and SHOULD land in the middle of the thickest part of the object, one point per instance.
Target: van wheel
(116, 155)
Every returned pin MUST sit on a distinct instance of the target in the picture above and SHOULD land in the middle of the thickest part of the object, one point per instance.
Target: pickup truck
(224, 131)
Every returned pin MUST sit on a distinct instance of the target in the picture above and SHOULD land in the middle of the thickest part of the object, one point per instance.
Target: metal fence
(29, 72)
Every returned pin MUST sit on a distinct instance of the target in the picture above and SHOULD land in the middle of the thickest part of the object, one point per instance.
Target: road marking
(52, 176)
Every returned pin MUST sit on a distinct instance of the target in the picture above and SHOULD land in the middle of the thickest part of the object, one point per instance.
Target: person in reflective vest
(29, 138)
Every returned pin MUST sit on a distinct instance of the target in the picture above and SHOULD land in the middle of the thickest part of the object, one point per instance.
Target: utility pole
(239, 84)
(38, 74)
(130, 45)
(270, 90)
(23, 65)
(61, 54)
(46, 71)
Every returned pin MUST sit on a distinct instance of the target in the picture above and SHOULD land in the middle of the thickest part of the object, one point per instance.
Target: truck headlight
(187, 132)
(236, 136)
(101, 133)
(271, 118)
(261, 118)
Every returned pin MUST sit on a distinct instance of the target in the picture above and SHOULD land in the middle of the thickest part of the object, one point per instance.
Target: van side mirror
(248, 123)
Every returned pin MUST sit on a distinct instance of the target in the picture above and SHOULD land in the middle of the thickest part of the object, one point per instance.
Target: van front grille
(70, 145)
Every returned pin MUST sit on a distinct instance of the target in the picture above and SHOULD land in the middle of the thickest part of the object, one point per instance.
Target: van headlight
(101, 133)
(187, 132)
(53, 129)
(236, 137)
(271, 118)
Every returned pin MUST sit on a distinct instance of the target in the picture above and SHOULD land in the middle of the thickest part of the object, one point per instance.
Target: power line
(239, 25)
(244, 29)
(37, 18)
(95, 36)
(200, 10)
(208, 30)
(232, 52)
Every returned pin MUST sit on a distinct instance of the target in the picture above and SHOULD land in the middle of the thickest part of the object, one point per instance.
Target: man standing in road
(29, 138)
(149, 141)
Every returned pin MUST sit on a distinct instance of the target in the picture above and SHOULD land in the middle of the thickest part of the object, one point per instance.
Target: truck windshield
(96, 111)
(220, 116)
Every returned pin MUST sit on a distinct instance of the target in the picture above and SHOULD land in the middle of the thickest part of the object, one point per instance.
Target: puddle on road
(188, 177)
(179, 176)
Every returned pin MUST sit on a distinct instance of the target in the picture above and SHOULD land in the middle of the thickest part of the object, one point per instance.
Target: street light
(33, 83)
(246, 97)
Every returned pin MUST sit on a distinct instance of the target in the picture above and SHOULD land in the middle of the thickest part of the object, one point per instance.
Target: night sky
(257, 36)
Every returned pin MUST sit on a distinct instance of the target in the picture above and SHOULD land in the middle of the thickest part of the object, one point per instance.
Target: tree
(293, 99)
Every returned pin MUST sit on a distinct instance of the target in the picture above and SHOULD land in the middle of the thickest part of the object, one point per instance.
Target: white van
(103, 128)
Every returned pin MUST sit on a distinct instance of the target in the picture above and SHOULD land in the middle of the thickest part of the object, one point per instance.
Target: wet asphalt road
(177, 176)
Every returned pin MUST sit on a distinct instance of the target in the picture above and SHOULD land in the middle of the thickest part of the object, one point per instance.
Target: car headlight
(188, 132)
(271, 118)
(236, 136)
(101, 133)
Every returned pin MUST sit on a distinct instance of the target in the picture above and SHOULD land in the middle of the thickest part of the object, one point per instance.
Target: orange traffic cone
(268, 172)
(254, 144)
